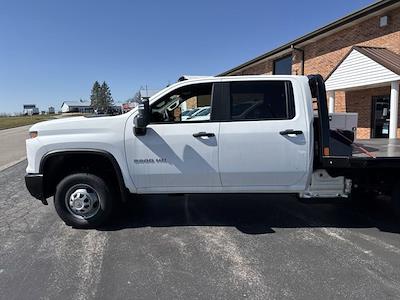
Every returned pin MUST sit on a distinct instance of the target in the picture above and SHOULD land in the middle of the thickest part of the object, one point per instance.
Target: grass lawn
(11, 122)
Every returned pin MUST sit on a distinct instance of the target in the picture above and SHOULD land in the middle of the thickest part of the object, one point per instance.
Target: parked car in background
(188, 113)
(201, 115)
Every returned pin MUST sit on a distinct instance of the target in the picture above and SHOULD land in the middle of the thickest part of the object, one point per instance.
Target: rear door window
(261, 100)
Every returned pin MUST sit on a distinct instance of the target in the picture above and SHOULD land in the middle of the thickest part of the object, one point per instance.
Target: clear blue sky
(51, 51)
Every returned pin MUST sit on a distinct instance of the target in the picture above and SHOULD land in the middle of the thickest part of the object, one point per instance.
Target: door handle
(290, 131)
(202, 133)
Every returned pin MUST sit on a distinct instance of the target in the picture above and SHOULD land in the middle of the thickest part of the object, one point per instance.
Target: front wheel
(83, 200)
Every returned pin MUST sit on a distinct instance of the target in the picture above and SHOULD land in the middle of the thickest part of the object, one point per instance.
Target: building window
(383, 21)
(283, 66)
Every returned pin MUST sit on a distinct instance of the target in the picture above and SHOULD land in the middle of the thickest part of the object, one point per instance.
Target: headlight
(33, 134)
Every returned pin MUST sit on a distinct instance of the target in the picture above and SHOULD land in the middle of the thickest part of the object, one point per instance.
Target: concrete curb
(18, 127)
(6, 166)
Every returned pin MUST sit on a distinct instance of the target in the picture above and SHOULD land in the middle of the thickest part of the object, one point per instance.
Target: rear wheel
(396, 199)
(360, 196)
(83, 200)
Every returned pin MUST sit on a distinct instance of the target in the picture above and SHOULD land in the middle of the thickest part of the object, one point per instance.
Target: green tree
(106, 98)
(95, 100)
(100, 98)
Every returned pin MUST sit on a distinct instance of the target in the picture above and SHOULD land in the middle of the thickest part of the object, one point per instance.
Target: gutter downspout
(302, 57)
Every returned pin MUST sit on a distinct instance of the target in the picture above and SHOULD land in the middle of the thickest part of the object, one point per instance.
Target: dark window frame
(290, 102)
(280, 59)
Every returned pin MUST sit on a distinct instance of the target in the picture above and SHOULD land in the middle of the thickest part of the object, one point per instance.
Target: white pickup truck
(265, 134)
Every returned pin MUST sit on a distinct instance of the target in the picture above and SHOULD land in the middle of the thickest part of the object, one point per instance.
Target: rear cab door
(265, 138)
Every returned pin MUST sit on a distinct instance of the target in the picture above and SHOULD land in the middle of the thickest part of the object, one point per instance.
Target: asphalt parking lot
(199, 247)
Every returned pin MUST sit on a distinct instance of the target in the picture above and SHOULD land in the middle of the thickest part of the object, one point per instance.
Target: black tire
(361, 197)
(100, 208)
(396, 199)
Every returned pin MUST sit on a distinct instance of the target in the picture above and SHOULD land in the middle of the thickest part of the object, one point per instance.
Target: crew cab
(264, 134)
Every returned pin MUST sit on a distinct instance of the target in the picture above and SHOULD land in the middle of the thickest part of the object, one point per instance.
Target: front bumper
(34, 184)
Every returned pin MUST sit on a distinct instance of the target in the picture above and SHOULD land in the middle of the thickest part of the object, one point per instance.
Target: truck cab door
(265, 146)
(179, 152)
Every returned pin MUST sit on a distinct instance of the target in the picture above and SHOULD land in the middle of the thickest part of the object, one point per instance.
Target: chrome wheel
(82, 201)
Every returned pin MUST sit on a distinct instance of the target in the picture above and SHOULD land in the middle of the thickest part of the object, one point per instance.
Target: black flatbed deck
(368, 154)
(378, 148)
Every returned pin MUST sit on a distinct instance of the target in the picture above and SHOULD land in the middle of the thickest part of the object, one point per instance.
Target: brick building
(359, 57)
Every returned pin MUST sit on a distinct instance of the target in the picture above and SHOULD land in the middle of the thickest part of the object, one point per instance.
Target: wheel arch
(78, 154)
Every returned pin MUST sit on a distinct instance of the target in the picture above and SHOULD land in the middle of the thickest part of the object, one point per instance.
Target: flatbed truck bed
(378, 148)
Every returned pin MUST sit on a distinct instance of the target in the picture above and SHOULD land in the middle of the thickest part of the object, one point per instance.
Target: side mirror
(143, 118)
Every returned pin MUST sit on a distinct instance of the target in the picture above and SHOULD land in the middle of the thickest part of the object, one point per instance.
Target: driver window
(187, 104)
